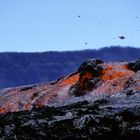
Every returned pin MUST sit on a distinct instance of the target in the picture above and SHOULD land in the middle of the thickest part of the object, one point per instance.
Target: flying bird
(122, 37)
(86, 43)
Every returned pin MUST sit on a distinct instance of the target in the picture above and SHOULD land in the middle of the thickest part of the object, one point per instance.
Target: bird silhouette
(86, 43)
(122, 37)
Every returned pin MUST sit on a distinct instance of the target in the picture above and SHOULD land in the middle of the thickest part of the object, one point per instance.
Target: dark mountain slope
(18, 69)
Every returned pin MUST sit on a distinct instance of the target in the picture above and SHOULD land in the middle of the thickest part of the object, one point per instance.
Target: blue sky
(45, 25)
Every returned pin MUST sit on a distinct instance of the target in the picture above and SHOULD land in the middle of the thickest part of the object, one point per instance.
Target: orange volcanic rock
(93, 77)
(115, 76)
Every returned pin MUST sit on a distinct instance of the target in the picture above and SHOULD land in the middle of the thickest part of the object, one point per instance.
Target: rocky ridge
(100, 100)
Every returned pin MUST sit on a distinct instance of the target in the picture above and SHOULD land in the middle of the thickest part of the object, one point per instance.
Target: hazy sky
(44, 25)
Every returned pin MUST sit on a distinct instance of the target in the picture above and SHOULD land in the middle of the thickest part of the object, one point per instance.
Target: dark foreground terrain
(112, 117)
(99, 101)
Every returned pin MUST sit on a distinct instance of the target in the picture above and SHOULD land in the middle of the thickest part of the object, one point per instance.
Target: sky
(60, 25)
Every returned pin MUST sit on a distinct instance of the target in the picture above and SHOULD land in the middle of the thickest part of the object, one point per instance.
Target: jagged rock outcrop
(134, 65)
(100, 100)
(90, 73)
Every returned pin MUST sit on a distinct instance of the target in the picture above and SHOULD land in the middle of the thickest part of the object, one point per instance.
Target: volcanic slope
(93, 77)
(99, 101)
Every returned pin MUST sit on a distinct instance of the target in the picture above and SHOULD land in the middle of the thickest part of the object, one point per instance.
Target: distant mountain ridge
(17, 69)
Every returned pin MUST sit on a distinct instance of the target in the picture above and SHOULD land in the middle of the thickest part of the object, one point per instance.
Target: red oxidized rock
(93, 77)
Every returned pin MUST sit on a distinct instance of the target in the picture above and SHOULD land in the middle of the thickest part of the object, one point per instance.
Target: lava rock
(89, 79)
(134, 65)
(94, 83)
(85, 117)
(91, 65)
(133, 82)
(86, 86)
(88, 113)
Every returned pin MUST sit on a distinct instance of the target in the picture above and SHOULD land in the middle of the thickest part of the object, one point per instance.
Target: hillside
(18, 69)
(101, 100)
